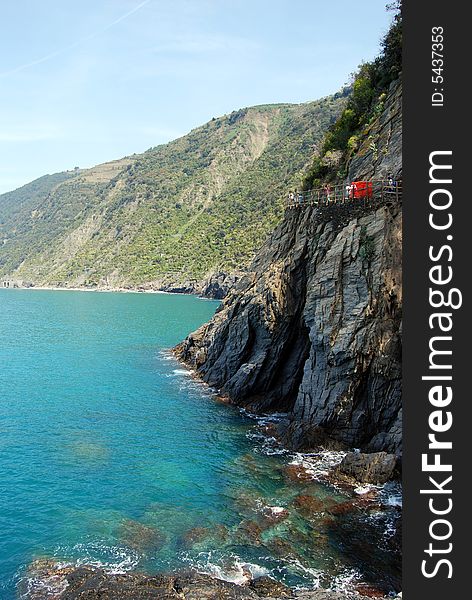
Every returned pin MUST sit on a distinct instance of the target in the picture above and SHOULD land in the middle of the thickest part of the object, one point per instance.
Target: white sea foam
(276, 510)
(113, 559)
(391, 494)
(266, 444)
(345, 580)
(315, 575)
(49, 587)
(264, 419)
(394, 500)
(365, 489)
(318, 464)
(231, 568)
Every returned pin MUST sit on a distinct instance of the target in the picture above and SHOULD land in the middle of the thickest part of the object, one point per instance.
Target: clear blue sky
(86, 82)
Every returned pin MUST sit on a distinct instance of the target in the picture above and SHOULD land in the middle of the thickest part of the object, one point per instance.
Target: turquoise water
(110, 453)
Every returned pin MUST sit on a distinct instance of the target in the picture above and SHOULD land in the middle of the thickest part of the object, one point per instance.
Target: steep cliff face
(314, 327)
(380, 149)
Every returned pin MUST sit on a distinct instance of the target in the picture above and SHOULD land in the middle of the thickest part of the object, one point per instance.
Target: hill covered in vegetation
(176, 213)
(352, 135)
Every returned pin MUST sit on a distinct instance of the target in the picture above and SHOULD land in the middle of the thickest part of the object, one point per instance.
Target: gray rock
(378, 467)
(95, 584)
(215, 285)
(380, 151)
(218, 285)
(314, 327)
(75, 583)
(266, 587)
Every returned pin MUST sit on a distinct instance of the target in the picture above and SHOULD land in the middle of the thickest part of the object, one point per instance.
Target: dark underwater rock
(273, 515)
(309, 505)
(280, 546)
(296, 474)
(249, 532)
(141, 537)
(195, 535)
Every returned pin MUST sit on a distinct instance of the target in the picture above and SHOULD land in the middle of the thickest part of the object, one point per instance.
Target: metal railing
(342, 193)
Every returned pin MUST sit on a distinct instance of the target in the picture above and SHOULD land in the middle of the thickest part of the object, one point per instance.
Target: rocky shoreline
(313, 330)
(51, 581)
(215, 286)
(359, 476)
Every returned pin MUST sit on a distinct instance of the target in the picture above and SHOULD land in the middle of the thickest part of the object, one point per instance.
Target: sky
(87, 82)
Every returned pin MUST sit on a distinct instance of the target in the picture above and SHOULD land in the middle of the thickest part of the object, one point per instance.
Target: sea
(114, 454)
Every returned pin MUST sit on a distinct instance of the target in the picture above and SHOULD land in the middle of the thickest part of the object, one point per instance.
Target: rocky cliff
(314, 328)
(380, 150)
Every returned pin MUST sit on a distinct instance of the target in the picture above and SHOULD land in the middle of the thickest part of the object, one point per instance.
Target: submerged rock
(195, 535)
(248, 532)
(280, 546)
(367, 545)
(272, 515)
(309, 505)
(141, 537)
(297, 473)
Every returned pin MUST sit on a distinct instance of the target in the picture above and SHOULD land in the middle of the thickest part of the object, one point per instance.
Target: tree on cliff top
(368, 90)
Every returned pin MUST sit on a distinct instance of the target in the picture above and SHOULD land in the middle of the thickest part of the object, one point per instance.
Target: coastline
(66, 582)
(109, 290)
(255, 518)
(323, 465)
(119, 290)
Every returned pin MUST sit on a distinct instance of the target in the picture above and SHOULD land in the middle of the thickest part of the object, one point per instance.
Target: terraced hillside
(174, 214)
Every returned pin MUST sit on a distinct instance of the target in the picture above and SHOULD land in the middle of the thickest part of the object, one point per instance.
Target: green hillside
(205, 201)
